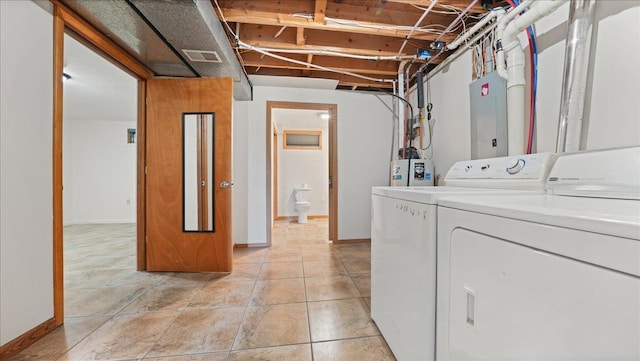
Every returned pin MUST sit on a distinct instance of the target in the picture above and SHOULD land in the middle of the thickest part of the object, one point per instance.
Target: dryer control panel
(528, 171)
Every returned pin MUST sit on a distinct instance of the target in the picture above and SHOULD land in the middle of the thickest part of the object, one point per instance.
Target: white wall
(302, 166)
(364, 146)
(613, 88)
(26, 112)
(99, 172)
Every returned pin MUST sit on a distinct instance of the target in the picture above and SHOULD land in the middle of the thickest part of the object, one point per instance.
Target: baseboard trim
(27, 339)
(250, 245)
(108, 221)
(352, 241)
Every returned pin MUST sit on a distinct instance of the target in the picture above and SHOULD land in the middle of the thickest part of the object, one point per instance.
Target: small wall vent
(202, 56)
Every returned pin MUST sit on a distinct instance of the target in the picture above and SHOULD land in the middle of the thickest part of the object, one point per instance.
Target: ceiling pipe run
(574, 80)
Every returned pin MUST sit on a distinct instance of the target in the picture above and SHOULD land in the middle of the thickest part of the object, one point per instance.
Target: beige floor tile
(216, 356)
(102, 301)
(223, 294)
(122, 337)
(179, 279)
(367, 300)
(161, 298)
(288, 254)
(357, 266)
(241, 272)
(330, 288)
(92, 278)
(200, 330)
(338, 319)
(278, 291)
(366, 348)
(278, 270)
(324, 268)
(273, 325)
(284, 353)
(61, 339)
(311, 254)
(363, 282)
(362, 250)
(249, 255)
(138, 279)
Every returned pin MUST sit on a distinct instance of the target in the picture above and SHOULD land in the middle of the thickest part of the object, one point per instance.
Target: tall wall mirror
(197, 173)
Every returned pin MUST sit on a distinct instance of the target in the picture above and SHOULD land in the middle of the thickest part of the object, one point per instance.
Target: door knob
(224, 184)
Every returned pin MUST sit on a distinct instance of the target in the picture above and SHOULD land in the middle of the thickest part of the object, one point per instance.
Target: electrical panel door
(488, 117)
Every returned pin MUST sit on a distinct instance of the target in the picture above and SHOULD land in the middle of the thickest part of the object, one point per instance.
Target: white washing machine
(403, 246)
(544, 277)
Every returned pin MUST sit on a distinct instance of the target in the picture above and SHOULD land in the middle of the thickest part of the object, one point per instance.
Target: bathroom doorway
(301, 153)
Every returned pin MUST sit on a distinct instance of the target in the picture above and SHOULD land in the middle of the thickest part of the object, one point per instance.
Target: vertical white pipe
(401, 106)
(574, 80)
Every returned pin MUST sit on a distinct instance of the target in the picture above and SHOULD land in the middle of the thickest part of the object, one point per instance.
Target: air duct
(574, 80)
(193, 26)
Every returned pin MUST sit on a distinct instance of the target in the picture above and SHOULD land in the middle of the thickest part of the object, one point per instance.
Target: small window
(302, 139)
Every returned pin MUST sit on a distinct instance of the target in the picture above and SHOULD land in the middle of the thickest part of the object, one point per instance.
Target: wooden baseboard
(27, 339)
(250, 245)
(352, 241)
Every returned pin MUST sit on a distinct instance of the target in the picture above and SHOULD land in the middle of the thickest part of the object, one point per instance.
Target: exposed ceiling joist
(460, 4)
(320, 9)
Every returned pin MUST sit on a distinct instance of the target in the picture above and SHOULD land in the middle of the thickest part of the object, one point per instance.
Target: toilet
(303, 197)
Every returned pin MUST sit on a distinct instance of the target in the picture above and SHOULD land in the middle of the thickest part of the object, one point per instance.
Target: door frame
(67, 21)
(333, 160)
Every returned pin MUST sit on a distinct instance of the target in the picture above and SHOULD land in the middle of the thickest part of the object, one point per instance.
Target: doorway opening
(99, 174)
(302, 167)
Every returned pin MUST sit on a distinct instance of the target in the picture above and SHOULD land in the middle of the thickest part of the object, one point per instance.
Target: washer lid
(431, 195)
(615, 217)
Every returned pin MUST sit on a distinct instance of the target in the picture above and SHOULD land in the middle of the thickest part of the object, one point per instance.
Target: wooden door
(169, 247)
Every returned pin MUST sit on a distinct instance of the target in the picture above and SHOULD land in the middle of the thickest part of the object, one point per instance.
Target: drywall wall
(302, 166)
(613, 86)
(99, 172)
(26, 214)
(364, 146)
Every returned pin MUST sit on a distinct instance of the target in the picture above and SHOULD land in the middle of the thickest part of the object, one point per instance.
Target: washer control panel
(495, 172)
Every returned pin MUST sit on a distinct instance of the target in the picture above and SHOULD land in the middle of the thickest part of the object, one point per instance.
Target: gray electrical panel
(488, 117)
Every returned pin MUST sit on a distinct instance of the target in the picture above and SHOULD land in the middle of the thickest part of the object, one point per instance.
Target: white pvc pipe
(401, 106)
(424, 15)
(479, 25)
(511, 49)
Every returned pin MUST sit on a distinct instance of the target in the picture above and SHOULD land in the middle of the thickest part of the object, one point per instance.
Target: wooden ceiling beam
(320, 10)
(258, 35)
(382, 68)
(344, 80)
(275, 19)
(301, 39)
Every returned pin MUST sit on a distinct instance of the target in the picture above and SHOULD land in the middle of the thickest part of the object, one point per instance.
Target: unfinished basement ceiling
(361, 41)
(358, 43)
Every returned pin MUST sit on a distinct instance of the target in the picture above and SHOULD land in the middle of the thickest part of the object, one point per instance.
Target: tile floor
(302, 299)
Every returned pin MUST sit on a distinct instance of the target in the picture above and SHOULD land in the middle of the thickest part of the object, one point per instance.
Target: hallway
(302, 299)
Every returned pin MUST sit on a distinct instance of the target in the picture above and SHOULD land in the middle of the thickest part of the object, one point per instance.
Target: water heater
(412, 172)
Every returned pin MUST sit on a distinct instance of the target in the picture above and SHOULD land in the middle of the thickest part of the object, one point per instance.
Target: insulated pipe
(401, 114)
(574, 80)
(509, 47)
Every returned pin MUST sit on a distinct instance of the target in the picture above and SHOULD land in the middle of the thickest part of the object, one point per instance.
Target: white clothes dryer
(403, 245)
(548, 276)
